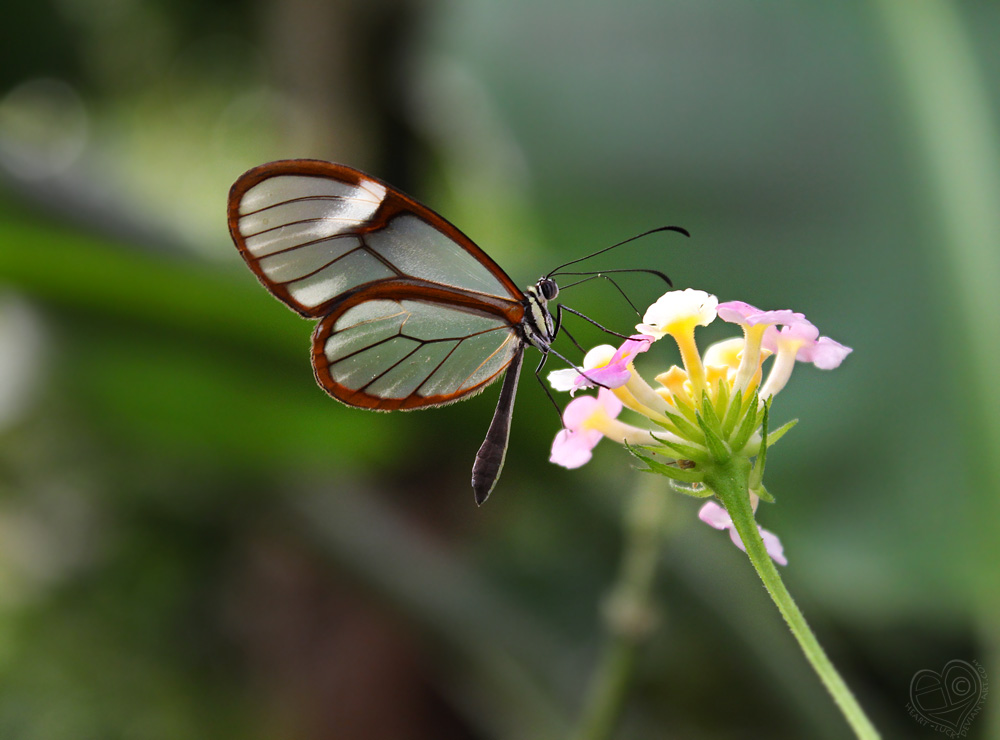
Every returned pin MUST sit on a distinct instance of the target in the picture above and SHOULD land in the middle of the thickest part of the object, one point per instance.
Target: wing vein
(392, 366)
(300, 199)
(322, 267)
(313, 242)
(359, 248)
(388, 263)
(380, 318)
(367, 347)
(454, 339)
(305, 221)
(487, 359)
(437, 367)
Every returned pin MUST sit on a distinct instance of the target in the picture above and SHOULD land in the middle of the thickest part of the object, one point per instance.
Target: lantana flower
(705, 423)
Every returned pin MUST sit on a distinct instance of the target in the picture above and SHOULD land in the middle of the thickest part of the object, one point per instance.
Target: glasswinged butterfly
(412, 314)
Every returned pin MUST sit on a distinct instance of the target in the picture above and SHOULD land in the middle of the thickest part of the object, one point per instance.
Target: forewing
(312, 231)
(400, 347)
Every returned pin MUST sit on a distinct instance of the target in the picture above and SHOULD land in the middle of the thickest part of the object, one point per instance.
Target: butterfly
(412, 314)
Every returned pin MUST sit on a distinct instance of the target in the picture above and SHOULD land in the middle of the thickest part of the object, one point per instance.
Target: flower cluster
(704, 413)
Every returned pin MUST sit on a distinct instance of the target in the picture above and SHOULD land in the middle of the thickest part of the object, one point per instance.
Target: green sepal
(684, 452)
(747, 427)
(684, 428)
(762, 493)
(757, 474)
(709, 417)
(721, 405)
(688, 411)
(689, 475)
(669, 426)
(732, 414)
(780, 432)
(716, 447)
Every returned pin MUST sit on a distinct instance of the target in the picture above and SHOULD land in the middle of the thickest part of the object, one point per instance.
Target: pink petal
(609, 376)
(634, 345)
(774, 546)
(715, 515)
(771, 543)
(616, 373)
(610, 404)
(573, 449)
(800, 331)
(822, 352)
(578, 411)
(784, 316)
(736, 312)
(826, 354)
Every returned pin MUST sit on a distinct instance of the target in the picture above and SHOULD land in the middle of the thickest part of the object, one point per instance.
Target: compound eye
(548, 288)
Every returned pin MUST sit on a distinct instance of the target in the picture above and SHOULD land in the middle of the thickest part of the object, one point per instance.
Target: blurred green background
(195, 542)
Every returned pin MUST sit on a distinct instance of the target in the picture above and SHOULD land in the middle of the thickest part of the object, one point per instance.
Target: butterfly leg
(538, 377)
(583, 316)
(572, 365)
(559, 327)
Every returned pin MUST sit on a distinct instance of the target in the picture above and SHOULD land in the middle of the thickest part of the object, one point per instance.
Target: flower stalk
(730, 483)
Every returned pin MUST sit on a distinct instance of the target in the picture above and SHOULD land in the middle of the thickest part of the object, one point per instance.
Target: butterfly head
(546, 289)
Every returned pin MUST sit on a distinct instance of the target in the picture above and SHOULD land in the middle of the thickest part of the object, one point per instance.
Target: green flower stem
(729, 481)
(629, 611)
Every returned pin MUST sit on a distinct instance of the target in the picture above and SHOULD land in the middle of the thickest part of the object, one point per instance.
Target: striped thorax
(539, 328)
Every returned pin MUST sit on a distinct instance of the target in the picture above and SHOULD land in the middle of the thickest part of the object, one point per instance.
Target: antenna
(678, 229)
(602, 273)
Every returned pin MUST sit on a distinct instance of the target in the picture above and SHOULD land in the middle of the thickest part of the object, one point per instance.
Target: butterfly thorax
(537, 325)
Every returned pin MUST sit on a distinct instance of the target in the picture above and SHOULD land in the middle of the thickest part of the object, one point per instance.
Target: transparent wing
(397, 346)
(313, 231)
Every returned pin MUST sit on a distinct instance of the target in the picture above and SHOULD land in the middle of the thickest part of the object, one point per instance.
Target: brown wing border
(510, 311)
(395, 203)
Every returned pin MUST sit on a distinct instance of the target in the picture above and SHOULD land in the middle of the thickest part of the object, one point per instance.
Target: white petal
(564, 380)
(678, 305)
